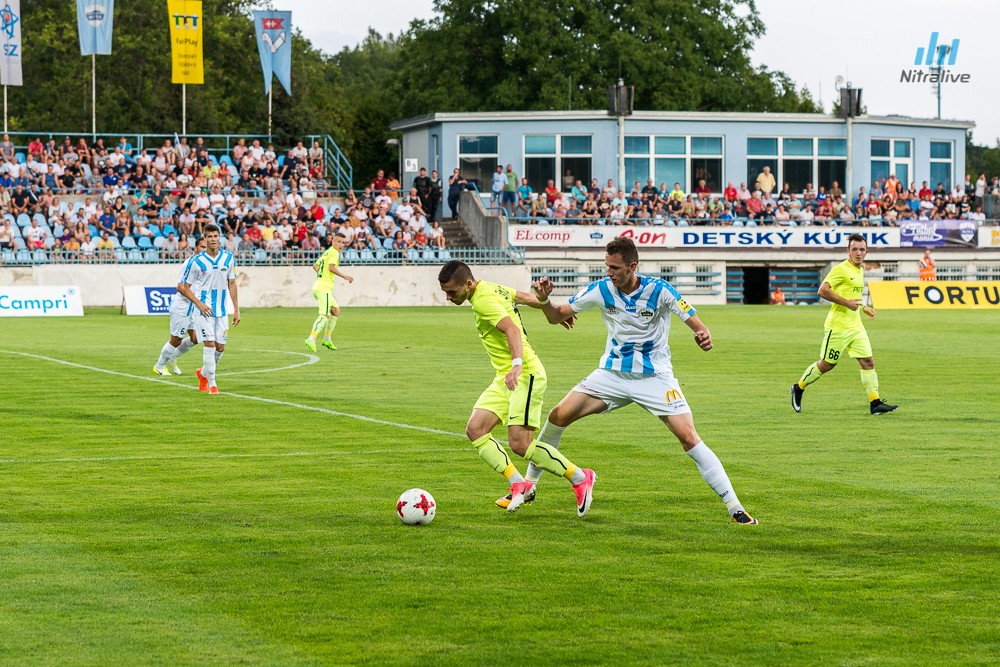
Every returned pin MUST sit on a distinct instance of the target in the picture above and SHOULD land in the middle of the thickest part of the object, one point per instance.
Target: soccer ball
(416, 507)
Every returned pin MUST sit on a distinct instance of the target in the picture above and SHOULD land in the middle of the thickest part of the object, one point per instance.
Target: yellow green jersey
(325, 265)
(847, 281)
(491, 303)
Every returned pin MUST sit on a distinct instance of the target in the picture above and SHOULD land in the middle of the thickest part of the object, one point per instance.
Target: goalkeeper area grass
(142, 522)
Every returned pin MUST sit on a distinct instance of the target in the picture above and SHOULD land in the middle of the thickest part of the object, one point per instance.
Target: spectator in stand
(34, 236)
(510, 190)
(782, 218)
(422, 184)
(777, 296)
(729, 194)
(980, 190)
(21, 202)
(496, 190)
(552, 194)
(743, 195)
(435, 235)
(6, 236)
(379, 182)
(392, 185)
(456, 183)
(765, 182)
(524, 193)
(677, 194)
(539, 211)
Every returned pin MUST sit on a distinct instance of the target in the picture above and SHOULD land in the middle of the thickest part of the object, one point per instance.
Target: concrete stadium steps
(457, 235)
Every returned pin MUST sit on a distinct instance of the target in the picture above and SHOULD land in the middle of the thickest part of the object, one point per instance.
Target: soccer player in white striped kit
(209, 278)
(182, 333)
(635, 367)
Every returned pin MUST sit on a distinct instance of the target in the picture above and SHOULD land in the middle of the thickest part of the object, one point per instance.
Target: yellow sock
(495, 456)
(869, 379)
(549, 459)
(811, 375)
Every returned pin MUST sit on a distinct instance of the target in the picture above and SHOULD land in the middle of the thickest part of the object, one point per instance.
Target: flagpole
(93, 97)
(184, 109)
(5, 108)
(269, 113)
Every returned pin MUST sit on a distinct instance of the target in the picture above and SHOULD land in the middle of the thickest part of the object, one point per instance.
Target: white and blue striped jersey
(180, 304)
(638, 323)
(209, 279)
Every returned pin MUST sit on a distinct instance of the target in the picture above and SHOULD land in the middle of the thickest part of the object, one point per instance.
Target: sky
(867, 42)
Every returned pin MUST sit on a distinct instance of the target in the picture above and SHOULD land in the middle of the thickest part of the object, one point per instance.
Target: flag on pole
(95, 20)
(186, 41)
(10, 42)
(274, 43)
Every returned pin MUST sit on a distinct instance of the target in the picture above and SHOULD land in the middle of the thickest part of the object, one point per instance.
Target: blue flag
(274, 42)
(10, 43)
(95, 19)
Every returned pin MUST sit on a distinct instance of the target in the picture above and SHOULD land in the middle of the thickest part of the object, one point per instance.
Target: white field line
(310, 359)
(247, 397)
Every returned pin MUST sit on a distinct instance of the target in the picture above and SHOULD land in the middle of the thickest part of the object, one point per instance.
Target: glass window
(830, 171)
(797, 147)
(902, 172)
(540, 144)
(477, 144)
(669, 170)
(707, 169)
(880, 148)
(900, 149)
(797, 173)
(941, 173)
(539, 171)
(636, 145)
(479, 169)
(833, 147)
(756, 165)
(880, 170)
(941, 150)
(670, 145)
(575, 144)
(706, 146)
(759, 146)
(576, 169)
(636, 169)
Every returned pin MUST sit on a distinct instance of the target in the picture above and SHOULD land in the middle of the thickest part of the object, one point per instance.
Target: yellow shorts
(324, 302)
(521, 407)
(854, 342)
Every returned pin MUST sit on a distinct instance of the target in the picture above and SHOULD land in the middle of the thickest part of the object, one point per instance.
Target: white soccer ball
(416, 507)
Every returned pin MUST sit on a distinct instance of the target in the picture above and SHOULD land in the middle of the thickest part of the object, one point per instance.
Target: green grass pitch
(142, 522)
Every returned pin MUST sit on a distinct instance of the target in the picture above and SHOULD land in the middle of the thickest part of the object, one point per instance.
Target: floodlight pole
(93, 97)
(621, 134)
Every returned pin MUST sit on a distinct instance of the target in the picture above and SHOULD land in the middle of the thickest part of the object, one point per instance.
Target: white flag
(10, 42)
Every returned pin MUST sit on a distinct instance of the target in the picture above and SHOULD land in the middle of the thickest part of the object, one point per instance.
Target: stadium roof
(725, 116)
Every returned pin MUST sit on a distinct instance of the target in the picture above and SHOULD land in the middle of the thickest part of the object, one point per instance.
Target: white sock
(208, 364)
(550, 435)
(166, 353)
(186, 344)
(715, 475)
(218, 355)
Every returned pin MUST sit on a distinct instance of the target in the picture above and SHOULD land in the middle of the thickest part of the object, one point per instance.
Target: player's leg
(489, 411)
(178, 328)
(829, 354)
(319, 324)
(523, 421)
(709, 465)
(205, 327)
(574, 406)
(861, 349)
(187, 342)
(331, 322)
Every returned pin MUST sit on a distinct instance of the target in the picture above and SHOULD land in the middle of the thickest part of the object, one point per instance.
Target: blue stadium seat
(169, 229)
(40, 257)
(114, 241)
(444, 255)
(225, 159)
(16, 231)
(58, 231)
(413, 255)
(159, 242)
(128, 243)
(92, 229)
(281, 160)
(155, 229)
(22, 257)
(260, 256)
(380, 255)
(387, 244)
(428, 255)
(77, 207)
(7, 257)
(144, 243)
(19, 157)
(151, 256)
(63, 207)
(135, 256)
(39, 217)
(367, 255)
(351, 255)
(8, 216)
(49, 242)
(19, 243)
(23, 220)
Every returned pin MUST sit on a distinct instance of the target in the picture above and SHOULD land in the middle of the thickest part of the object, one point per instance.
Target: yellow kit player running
(326, 273)
(844, 332)
(516, 394)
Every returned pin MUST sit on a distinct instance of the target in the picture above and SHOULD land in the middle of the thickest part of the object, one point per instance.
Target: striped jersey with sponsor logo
(180, 304)
(638, 323)
(209, 279)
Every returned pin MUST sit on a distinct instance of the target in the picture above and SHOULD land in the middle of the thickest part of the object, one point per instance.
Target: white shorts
(659, 394)
(211, 329)
(180, 324)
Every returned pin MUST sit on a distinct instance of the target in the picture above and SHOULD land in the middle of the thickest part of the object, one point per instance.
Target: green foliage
(981, 159)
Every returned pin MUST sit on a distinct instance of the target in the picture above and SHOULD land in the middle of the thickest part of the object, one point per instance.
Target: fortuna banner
(10, 38)
(95, 21)
(186, 41)
(274, 43)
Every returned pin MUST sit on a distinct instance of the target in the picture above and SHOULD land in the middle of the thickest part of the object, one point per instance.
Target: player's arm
(337, 272)
(561, 314)
(532, 301)
(185, 289)
(236, 301)
(826, 292)
(702, 335)
(513, 334)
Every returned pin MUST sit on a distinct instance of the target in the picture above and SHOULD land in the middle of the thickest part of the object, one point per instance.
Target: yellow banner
(186, 41)
(892, 295)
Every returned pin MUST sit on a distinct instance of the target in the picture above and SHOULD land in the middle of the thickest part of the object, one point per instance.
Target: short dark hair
(856, 237)
(341, 235)
(454, 270)
(212, 227)
(625, 247)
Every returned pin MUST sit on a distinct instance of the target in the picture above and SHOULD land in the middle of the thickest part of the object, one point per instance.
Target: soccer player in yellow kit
(515, 396)
(326, 273)
(844, 332)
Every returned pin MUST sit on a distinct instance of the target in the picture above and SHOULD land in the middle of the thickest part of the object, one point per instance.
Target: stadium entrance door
(756, 284)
